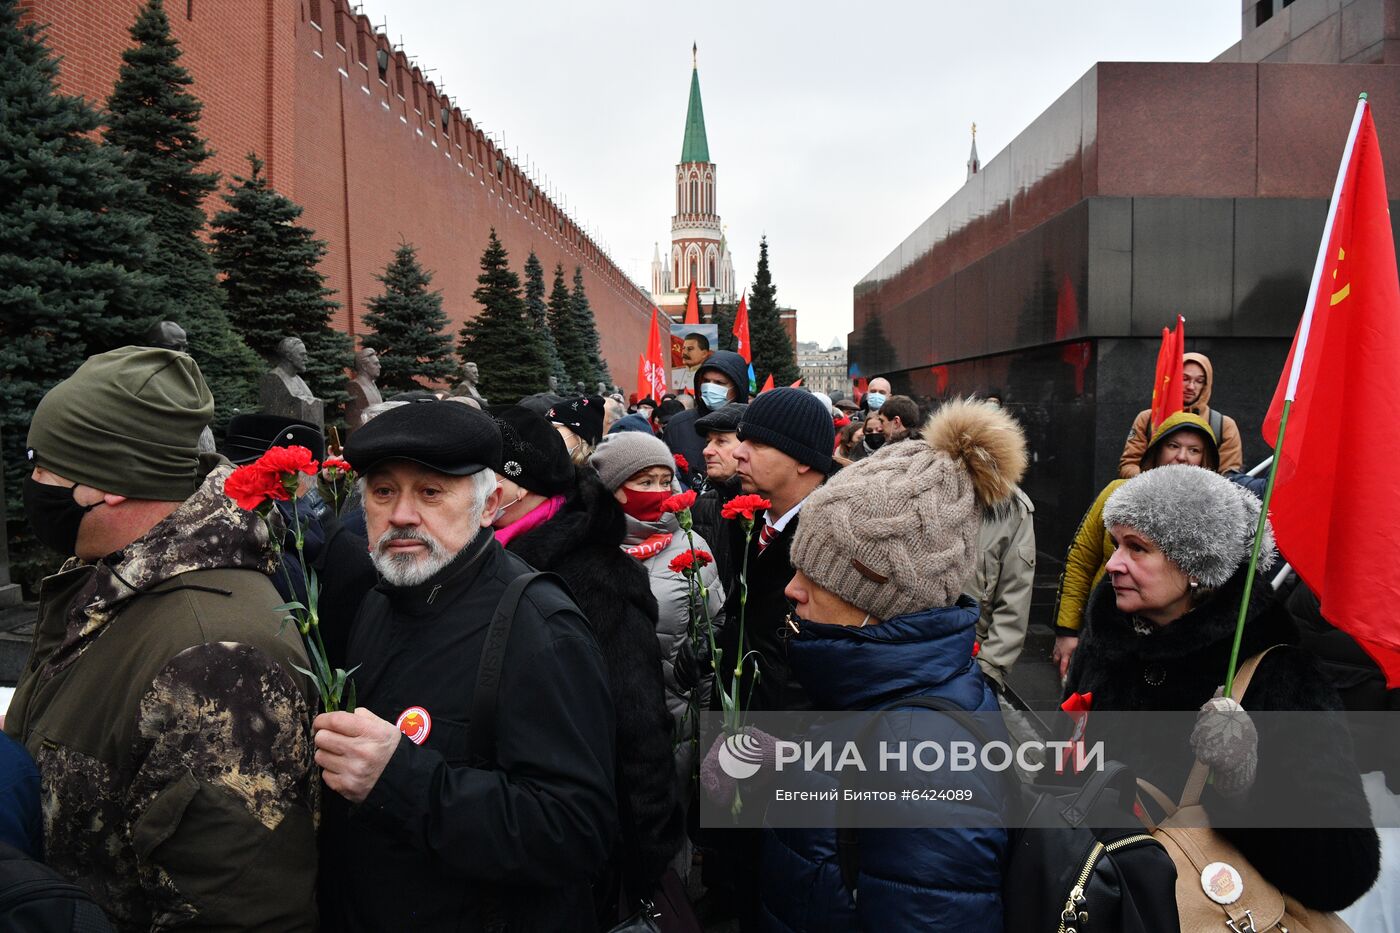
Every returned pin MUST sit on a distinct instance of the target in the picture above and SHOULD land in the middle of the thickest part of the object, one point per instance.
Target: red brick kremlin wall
(297, 82)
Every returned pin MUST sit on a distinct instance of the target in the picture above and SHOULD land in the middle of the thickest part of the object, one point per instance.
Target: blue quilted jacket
(910, 879)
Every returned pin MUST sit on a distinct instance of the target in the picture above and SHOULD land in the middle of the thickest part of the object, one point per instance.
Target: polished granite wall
(1144, 191)
(1064, 323)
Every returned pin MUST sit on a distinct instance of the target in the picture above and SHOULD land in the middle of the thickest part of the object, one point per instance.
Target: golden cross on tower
(694, 55)
(974, 131)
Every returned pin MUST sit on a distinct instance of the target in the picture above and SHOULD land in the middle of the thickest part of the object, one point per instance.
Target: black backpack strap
(481, 737)
(848, 836)
(1217, 425)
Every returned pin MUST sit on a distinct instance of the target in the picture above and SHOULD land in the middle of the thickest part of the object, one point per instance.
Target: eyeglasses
(1193, 380)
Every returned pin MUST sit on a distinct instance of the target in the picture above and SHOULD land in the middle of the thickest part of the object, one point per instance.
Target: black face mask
(54, 515)
(873, 441)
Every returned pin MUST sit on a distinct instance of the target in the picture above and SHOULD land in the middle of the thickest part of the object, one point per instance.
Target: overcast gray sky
(837, 127)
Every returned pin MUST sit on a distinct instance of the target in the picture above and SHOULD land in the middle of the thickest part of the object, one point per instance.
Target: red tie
(766, 536)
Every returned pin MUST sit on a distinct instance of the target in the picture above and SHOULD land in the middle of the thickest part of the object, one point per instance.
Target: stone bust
(282, 391)
(602, 388)
(467, 387)
(167, 335)
(553, 385)
(363, 390)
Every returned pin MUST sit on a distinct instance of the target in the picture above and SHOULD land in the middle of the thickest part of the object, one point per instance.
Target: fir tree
(408, 323)
(71, 254)
(272, 285)
(722, 316)
(772, 351)
(538, 312)
(565, 330)
(500, 340)
(153, 119)
(595, 368)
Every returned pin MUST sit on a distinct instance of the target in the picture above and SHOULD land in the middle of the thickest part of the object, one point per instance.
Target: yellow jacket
(1084, 564)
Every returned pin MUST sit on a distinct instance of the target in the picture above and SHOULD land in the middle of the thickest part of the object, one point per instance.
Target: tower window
(1263, 12)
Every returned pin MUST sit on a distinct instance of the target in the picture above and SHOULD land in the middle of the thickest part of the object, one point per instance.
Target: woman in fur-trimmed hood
(1161, 628)
(880, 560)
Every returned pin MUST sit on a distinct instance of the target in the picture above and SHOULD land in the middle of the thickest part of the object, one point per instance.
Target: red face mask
(645, 506)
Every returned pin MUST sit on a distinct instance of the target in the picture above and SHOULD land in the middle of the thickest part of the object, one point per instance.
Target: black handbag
(1062, 875)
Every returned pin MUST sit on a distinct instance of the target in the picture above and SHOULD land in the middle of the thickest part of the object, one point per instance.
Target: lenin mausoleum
(1145, 191)
(352, 130)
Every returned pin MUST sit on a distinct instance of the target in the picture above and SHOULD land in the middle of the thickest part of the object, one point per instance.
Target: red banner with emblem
(1336, 498)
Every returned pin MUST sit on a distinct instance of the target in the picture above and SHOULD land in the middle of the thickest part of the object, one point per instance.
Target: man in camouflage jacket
(161, 704)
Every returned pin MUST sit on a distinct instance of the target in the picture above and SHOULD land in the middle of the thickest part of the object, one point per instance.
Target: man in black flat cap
(474, 785)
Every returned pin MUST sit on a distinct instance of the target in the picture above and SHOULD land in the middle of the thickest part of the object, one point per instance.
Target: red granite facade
(374, 155)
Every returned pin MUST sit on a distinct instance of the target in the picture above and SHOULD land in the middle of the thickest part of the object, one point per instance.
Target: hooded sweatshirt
(1231, 453)
(680, 430)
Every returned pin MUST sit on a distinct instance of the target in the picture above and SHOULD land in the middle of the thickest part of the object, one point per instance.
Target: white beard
(408, 569)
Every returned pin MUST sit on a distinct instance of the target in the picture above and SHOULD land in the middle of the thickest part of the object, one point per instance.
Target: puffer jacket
(910, 879)
(673, 619)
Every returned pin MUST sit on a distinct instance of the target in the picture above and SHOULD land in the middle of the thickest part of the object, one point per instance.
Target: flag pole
(1295, 373)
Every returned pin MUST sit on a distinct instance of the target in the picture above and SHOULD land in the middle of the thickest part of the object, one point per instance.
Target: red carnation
(690, 561)
(744, 506)
(251, 485)
(682, 464)
(337, 463)
(841, 423)
(679, 502)
(294, 459)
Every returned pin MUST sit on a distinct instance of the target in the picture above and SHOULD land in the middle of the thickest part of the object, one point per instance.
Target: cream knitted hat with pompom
(896, 533)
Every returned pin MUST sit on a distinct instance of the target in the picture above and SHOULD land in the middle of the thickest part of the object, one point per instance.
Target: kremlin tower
(698, 251)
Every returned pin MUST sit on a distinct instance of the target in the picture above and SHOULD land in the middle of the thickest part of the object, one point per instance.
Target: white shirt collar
(782, 523)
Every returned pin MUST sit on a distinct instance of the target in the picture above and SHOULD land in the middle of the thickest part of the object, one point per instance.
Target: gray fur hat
(1202, 522)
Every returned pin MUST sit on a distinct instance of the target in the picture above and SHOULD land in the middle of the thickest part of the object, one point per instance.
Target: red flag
(1166, 387)
(651, 370)
(767, 384)
(1336, 503)
(692, 306)
(741, 329)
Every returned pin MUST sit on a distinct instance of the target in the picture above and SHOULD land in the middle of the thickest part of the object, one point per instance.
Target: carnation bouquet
(688, 564)
(257, 487)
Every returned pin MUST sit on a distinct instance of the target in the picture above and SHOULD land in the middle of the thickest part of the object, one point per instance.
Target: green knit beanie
(127, 422)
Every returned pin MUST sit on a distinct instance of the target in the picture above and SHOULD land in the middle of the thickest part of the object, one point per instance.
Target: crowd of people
(530, 601)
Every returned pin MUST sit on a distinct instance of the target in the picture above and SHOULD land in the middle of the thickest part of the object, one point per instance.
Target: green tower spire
(695, 148)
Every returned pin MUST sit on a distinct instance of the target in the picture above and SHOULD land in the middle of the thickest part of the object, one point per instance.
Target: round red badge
(415, 723)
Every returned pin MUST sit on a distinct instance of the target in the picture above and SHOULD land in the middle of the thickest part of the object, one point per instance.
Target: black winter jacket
(582, 544)
(765, 612)
(442, 843)
(680, 430)
(1178, 667)
(714, 528)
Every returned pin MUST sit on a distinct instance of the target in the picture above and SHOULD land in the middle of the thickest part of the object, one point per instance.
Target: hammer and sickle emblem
(1340, 294)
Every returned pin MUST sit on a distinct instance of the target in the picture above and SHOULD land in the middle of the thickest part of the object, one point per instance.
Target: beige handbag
(1217, 890)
